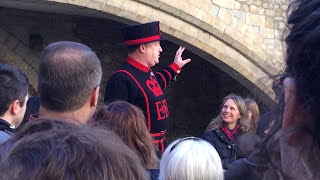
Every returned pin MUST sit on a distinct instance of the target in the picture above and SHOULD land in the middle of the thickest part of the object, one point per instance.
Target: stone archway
(247, 49)
(15, 53)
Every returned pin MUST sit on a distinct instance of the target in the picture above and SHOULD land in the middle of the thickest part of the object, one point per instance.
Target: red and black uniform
(138, 85)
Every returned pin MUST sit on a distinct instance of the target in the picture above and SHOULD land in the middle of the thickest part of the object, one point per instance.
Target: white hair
(190, 158)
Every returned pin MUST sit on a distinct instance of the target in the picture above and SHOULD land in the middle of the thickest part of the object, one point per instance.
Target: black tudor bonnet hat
(141, 33)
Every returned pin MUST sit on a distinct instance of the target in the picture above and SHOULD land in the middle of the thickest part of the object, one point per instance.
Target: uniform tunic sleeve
(167, 74)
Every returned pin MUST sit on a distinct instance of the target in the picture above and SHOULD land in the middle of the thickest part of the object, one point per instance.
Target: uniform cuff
(175, 67)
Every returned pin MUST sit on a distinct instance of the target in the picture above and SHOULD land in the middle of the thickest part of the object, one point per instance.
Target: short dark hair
(68, 73)
(13, 86)
(53, 149)
(132, 48)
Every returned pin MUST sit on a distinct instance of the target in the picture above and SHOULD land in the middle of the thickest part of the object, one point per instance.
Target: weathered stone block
(270, 5)
(242, 27)
(11, 42)
(244, 8)
(3, 35)
(284, 7)
(233, 33)
(279, 12)
(256, 20)
(278, 45)
(265, 5)
(229, 4)
(228, 18)
(32, 57)
(3, 50)
(219, 25)
(256, 29)
(234, 23)
(284, 15)
(278, 34)
(260, 10)
(269, 12)
(249, 2)
(253, 9)
(268, 44)
(35, 65)
(22, 50)
(214, 11)
(267, 33)
(186, 6)
(281, 25)
(278, 18)
(237, 5)
(225, 16)
(205, 6)
(196, 12)
(21, 64)
(269, 23)
(257, 3)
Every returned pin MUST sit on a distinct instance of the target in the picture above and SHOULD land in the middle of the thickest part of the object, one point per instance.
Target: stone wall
(264, 17)
(193, 100)
(239, 37)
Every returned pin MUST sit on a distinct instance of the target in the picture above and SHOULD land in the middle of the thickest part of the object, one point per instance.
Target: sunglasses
(184, 139)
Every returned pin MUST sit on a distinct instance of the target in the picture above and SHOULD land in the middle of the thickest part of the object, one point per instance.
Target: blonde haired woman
(223, 131)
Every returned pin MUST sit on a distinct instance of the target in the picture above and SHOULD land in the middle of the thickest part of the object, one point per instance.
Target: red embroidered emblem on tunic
(153, 85)
(162, 109)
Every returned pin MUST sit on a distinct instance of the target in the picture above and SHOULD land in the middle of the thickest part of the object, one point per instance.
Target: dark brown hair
(128, 122)
(13, 86)
(68, 73)
(52, 149)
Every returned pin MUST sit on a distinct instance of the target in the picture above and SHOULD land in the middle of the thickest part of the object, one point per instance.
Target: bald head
(68, 73)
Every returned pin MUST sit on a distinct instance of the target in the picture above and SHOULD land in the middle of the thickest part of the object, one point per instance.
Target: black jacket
(226, 149)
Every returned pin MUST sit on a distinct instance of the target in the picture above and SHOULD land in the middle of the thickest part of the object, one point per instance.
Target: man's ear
(142, 48)
(15, 107)
(95, 96)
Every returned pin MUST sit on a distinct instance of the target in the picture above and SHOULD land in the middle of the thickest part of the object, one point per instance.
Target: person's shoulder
(4, 136)
(120, 74)
(208, 131)
(211, 132)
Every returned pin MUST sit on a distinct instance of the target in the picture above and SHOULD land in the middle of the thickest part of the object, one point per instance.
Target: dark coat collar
(4, 125)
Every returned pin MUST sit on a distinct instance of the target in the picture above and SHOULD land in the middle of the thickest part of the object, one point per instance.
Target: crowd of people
(61, 134)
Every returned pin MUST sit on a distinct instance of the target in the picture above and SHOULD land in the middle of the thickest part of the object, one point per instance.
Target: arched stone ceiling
(243, 42)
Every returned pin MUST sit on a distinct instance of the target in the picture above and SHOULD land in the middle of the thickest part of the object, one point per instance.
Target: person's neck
(76, 117)
(7, 118)
(230, 126)
(138, 57)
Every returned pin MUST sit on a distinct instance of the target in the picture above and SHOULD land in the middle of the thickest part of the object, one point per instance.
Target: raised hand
(178, 59)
